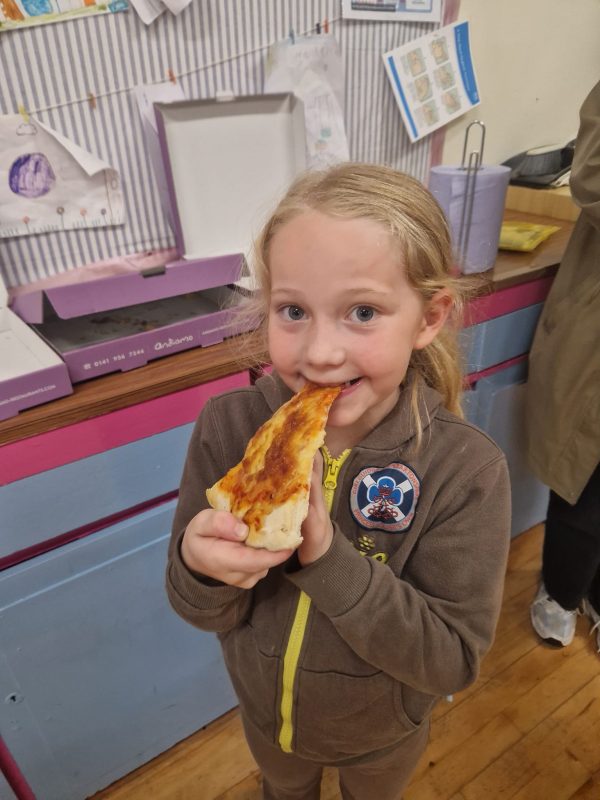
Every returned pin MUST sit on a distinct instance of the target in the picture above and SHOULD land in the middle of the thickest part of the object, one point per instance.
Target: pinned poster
(311, 67)
(433, 79)
(393, 10)
(48, 183)
(25, 13)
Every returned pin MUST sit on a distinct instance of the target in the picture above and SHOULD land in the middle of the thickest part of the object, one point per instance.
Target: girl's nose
(324, 347)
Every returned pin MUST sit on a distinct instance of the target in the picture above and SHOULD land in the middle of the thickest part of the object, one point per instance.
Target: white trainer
(590, 611)
(553, 623)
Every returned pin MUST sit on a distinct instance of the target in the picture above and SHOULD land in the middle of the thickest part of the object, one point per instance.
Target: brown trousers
(289, 777)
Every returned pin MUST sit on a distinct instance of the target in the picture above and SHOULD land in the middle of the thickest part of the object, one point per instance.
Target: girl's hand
(317, 530)
(213, 544)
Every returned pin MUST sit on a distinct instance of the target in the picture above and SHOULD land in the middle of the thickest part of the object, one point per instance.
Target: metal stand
(471, 167)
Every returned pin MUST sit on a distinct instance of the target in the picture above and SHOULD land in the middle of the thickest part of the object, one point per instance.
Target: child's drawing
(31, 175)
(47, 183)
(23, 13)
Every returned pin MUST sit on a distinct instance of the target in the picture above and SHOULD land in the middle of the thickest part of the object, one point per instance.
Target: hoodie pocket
(340, 716)
(254, 677)
(413, 706)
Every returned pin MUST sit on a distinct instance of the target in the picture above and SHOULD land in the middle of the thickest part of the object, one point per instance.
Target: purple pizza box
(119, 283)
(226, 163)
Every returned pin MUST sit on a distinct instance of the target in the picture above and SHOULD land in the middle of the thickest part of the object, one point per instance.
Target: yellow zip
(331, 470)
(290, 662)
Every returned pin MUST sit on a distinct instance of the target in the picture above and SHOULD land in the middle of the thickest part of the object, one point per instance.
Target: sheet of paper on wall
(433, 79)
(176, 6)
(311, 67)
(146, 95)
(26, 13)
(149, 10)
(393, 10)
(48, 183)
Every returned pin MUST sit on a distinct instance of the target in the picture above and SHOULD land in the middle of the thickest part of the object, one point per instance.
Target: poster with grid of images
(433, 79)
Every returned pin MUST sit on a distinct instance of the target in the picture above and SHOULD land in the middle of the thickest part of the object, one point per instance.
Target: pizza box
(226, 162)
(122, 313)
(31, 372)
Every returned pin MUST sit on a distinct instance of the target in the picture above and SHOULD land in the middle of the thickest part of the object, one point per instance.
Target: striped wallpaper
(212, 45)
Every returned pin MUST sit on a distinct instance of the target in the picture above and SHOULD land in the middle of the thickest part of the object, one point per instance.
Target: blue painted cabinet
(496, 402)
(497, 405)
(97, 673)
(50, 503)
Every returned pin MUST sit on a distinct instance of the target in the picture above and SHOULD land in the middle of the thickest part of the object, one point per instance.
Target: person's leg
(385, 778)
(594, 593)
(285, 776)
(571, 555)
(591, 608)
(570, 563)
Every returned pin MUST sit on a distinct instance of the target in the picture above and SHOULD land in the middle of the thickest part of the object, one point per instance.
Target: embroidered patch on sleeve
(385, 497)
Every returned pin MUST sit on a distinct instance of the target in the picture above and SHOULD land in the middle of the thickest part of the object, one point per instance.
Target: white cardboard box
(31, 372)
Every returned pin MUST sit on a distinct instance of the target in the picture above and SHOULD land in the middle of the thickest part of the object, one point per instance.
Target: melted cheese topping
(277, 464)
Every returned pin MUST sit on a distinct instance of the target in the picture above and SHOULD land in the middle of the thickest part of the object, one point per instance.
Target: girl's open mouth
(349, 386)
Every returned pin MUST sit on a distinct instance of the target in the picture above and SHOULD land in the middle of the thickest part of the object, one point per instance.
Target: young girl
(339, 651)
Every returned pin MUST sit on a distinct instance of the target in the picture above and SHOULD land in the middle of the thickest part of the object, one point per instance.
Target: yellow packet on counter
(524, 236)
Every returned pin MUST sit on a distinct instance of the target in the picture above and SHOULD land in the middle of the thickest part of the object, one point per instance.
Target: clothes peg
(325, 25)
(171, 76)
(92, 100)
(292, 36)
(24, 114)
(318, 27)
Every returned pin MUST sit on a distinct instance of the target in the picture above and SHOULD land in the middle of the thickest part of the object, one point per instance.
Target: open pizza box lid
(227, 162)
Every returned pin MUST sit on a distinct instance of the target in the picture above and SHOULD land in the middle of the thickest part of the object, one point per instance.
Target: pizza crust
(280, 529)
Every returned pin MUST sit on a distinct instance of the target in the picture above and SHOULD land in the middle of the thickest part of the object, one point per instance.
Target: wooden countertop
(122, 389)
(200, 365)
(512, 268)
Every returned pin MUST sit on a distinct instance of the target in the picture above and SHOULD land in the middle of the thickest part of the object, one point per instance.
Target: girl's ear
(434, 316)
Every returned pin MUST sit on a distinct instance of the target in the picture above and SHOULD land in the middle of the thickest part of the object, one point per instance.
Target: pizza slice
(269, 488)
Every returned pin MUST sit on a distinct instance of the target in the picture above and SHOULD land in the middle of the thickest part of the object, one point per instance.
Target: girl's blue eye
(293, 313)
(363, 313)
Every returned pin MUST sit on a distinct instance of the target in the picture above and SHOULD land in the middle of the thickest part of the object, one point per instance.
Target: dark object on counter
(540, 166)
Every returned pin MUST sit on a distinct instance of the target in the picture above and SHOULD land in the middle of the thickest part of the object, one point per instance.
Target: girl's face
(342, 312)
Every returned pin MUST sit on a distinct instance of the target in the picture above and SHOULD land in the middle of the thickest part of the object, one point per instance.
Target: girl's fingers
(213, 545)
(251, 560)
(219, 525)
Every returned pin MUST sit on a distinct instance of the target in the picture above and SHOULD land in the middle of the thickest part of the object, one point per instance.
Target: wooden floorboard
(529, 729)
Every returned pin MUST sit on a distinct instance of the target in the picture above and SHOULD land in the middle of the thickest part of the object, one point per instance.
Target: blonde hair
(410, 213)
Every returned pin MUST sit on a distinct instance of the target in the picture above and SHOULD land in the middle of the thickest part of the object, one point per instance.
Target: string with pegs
(172, 76)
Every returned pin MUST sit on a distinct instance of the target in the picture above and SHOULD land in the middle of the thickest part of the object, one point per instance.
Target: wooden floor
(529, 729)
